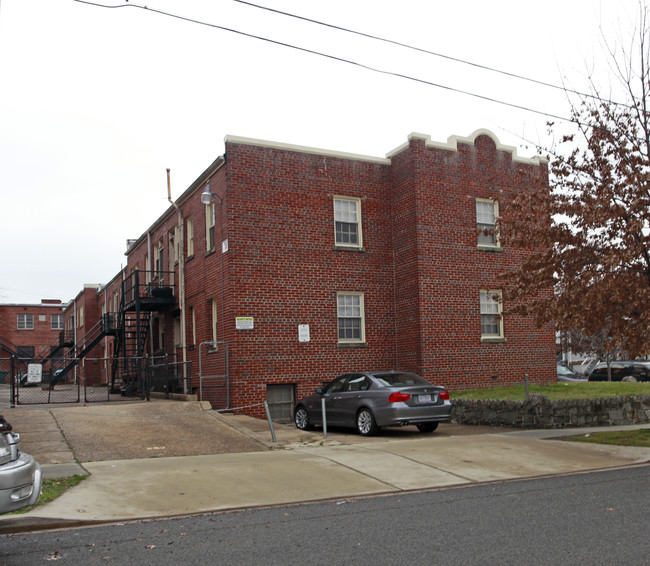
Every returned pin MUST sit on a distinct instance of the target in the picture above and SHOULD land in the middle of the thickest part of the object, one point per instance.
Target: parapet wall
(539, 412)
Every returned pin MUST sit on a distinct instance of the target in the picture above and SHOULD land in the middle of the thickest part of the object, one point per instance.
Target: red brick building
(309, 263)
(28, 331)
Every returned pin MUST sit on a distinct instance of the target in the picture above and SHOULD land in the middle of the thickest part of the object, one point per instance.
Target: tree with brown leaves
(589, 237)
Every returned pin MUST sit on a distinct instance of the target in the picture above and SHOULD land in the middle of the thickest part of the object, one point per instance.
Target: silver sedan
(370, 400)
(20, 474)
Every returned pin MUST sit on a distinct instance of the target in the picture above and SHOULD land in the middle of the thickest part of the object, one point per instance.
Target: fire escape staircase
(142, 294)
(106, 326)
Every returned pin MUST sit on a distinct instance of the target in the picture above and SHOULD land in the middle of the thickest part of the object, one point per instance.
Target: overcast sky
(96, 103)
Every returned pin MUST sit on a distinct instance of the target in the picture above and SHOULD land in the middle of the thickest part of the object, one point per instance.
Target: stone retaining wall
(539, 412)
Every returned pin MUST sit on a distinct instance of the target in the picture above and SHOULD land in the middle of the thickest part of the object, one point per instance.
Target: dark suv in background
(633, 370)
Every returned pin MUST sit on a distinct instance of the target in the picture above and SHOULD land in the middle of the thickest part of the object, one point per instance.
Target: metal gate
(165, 375)
(214, 382)
(20, 385)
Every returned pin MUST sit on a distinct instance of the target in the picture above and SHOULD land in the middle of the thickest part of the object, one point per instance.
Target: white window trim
(59, 319)
(362, 316)
(210, 223)
(492, 293)
(189, 224)
(193, 322)
(497, 239)
(213, 315)
(359, 244)
(25, 317)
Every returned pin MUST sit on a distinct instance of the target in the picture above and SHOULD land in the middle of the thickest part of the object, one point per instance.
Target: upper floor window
(491, 314)
(347, 222)
(209, 227)
(158, 259)
(56, 322)
(189, 235)
(351, 317)
(174, 243)
(487, 213)
(25, 322)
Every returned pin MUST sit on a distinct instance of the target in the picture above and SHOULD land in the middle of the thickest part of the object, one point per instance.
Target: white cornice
(304, 149)
(452, 145)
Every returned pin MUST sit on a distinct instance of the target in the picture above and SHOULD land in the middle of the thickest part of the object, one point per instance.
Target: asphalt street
(176, 459)
(595, 518)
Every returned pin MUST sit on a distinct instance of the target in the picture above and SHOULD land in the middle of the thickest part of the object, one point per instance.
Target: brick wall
(420, 270)
(39, 338)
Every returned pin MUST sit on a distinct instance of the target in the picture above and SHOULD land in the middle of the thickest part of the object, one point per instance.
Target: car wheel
(427, 427)
(366, 424)
(301, 418)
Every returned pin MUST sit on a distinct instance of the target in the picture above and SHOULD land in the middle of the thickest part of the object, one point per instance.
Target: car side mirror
(319, 390)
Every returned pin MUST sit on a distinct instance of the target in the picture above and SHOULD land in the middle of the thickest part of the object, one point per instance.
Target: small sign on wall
(244, 323)
(303, 333)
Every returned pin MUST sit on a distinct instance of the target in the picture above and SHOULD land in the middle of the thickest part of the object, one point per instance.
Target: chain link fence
(23, 382)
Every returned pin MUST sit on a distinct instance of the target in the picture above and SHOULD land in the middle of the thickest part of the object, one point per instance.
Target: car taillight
(398, 397)
(444, 395)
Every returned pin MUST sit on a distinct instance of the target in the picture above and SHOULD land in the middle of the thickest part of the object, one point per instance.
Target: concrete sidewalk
(306, 468)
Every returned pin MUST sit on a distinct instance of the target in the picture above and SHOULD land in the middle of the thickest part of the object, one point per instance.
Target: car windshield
(400, 379)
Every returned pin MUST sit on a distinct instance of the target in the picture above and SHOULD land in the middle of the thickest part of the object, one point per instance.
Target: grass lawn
(557, 391)
(640, 437)
(52, 488)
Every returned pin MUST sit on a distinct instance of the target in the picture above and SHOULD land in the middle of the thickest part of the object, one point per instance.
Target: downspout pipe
(181, 276)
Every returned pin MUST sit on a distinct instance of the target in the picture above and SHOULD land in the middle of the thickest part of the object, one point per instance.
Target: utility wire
(336, 58)
(428, 52)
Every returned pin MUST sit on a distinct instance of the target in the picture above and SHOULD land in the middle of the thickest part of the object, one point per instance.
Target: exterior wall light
(207, 196)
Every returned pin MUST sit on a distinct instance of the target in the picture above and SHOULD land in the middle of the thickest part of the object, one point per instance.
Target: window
(209, 227)
(178, 342)
(25, 352)
(25, 322)
(189, 223)
(193, 322)
(160, 323)
(213, 313)
(158, 258)
(173, 250)
(347, 222)
(487, 213)
(56, 322)
(351, 326)
(491, 318)
(280, 399)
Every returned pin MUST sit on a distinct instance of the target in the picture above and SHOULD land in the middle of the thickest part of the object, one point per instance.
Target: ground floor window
(281, 399)
(351, 325)
(491, 317)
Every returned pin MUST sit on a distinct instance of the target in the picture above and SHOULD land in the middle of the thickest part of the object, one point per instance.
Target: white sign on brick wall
(244, 323)
(303, 333)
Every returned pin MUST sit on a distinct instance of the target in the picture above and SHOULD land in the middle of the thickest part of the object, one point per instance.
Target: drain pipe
(181, 282)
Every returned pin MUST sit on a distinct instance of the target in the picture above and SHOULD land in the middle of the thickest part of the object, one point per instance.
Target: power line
(426, 51)
(335, 58)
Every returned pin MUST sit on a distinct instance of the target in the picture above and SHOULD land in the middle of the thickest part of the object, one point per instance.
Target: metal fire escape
(142, 294)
